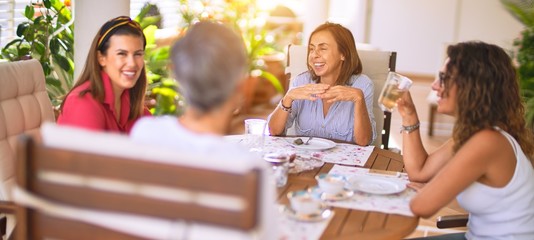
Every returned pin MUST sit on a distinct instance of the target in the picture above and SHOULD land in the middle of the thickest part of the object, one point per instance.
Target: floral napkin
(346, 154)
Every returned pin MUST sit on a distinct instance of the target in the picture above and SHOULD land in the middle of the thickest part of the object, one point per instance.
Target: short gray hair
(208, 62)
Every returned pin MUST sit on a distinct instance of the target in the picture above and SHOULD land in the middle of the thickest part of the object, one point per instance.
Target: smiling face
(123, 61)
(446, 102)
(324, 56)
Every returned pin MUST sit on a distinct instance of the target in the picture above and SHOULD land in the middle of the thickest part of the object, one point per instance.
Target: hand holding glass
(393, 89)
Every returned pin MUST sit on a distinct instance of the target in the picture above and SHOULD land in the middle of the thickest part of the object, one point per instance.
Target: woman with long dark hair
(487, 164)
(109, 95)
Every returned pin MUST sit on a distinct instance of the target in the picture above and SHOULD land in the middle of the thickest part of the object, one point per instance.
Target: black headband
(112, 25)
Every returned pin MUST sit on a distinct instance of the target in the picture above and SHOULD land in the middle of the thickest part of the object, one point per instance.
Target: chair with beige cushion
(24, 106)
(376, 65)
(68, 187)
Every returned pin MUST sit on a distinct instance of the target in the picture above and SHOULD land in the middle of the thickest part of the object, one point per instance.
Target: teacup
(304, 202)
(331, 183)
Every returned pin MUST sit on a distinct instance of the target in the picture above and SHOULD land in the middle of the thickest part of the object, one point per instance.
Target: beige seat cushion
(24, 105)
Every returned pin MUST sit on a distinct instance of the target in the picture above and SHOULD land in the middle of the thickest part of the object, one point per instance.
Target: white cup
(304, 202)
(255, 130)
(393, 89)
(331, 183)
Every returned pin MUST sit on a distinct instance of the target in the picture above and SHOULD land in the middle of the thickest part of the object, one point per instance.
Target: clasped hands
(314, 91)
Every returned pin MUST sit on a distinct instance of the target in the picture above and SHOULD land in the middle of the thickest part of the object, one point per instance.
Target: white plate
(323, 214)
(376, 185)
(314, 144)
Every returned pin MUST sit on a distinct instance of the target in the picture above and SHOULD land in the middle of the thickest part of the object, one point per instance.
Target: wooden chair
(24, 106)
(376, 65)
(452, 221)
(73, 194)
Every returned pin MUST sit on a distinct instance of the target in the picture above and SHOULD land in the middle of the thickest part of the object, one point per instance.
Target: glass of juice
(393, 89)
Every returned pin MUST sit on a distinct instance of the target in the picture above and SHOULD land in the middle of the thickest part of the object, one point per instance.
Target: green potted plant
(162, 91)
(525, 54)
(47, 35)
(247, 19)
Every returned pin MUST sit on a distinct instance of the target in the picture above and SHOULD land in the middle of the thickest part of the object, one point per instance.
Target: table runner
(342, 153)
(292, 229)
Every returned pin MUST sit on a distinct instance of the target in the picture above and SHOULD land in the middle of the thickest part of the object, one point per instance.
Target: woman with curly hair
(487, 165)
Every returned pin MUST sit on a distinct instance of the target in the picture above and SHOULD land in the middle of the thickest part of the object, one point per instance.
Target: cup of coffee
(331, 183)
(393, 89)
(304, 202)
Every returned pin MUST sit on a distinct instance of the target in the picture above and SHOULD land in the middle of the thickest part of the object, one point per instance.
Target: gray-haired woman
(210, 64)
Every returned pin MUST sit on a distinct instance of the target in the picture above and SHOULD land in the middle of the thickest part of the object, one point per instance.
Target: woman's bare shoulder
(488, 144)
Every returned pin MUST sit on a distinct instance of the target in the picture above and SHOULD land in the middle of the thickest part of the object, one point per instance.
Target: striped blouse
(308, 118)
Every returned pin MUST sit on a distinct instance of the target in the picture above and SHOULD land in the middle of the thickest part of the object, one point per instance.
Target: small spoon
(307, 141)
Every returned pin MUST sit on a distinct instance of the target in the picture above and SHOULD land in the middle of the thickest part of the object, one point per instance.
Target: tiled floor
(442, 131)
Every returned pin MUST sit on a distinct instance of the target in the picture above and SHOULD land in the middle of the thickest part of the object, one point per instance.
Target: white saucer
(323, 214)
(345, 194)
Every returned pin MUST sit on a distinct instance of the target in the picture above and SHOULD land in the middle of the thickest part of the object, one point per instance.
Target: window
(11, 15)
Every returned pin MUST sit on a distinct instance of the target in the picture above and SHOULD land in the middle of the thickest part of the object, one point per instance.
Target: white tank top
(502, 213)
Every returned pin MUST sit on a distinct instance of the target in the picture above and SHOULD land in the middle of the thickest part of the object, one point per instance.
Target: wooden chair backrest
(36, 161)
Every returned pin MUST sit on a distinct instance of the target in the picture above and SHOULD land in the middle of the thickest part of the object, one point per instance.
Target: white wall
(316, 14)
(90, 15)
(488, 21)
(419, 29)
(415, 29)
(351, 14)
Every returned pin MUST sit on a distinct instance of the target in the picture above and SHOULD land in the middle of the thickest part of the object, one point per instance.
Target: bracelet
(409, 129)
(284, 108)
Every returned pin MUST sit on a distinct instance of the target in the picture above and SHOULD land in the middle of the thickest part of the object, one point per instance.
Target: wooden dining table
(357, 224)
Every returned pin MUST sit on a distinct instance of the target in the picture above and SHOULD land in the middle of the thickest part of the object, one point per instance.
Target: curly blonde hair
(488, 93)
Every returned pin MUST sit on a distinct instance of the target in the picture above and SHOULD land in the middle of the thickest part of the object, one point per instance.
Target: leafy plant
(244, 17)
(47, 37)
(525, 53)
(162, 90)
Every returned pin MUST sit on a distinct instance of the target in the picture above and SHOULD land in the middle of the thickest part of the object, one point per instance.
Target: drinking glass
(393, 89)
(280, 166)
(255, 130)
